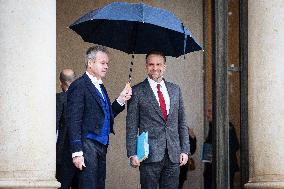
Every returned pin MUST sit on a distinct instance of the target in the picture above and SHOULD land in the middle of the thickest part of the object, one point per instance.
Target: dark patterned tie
(162, 102)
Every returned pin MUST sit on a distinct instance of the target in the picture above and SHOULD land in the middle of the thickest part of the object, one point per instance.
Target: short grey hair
(92, 52)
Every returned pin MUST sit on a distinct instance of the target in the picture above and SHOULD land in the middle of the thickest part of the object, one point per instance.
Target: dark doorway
(226, 89)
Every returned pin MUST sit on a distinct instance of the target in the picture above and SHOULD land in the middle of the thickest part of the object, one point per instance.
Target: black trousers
(207, 174)
(164, 174)
(183, 175)
(94, 174)
(68, 173)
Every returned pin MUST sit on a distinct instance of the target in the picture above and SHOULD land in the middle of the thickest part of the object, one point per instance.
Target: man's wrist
(133, 156)
(120, 101)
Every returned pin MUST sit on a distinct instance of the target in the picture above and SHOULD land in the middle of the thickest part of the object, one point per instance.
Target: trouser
(207, 176)
(94, 174)
(68, 173)
(164, 174)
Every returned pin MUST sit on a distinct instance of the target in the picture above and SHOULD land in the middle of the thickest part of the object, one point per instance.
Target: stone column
(266, 93)
(27, 94)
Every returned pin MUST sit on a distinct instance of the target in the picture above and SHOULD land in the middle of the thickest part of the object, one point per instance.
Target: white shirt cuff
(120, 103)
(132, 156)
(75, 154)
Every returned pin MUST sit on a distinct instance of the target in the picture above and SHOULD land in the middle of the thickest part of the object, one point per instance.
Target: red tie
(162, 102)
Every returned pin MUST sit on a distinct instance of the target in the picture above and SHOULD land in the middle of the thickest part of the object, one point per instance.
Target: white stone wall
(266, 93)
(27, 100)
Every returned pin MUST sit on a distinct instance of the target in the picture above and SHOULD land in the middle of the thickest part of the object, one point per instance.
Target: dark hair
(156, 53)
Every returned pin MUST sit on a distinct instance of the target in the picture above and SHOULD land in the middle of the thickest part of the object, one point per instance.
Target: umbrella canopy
(136, 28)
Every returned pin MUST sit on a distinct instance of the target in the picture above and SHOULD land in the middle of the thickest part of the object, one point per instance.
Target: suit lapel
(152, 98)
(171, 95)
(91, 87)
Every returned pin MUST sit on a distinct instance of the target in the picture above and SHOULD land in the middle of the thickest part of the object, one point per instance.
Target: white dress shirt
(96, 82)
(163, 89)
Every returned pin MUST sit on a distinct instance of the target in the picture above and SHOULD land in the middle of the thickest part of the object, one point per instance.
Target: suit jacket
(144, 114)
(234, 146)
(61, 101)
(85, 111)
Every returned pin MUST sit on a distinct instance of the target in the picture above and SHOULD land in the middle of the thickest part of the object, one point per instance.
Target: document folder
(207, 153)
(142, 146)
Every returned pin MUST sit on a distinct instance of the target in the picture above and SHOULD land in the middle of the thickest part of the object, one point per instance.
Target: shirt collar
(94, 79)
(153, 83)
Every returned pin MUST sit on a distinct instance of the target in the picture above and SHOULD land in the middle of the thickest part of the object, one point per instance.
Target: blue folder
(142, 146)
(207, 153)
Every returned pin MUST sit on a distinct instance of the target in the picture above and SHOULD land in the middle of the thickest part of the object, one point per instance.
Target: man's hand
(183, 159)
(125, 94)
(134, 162)
(79, 162)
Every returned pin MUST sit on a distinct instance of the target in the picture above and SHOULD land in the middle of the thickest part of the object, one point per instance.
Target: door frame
(220, 95)
(220, 92)
(244, 156)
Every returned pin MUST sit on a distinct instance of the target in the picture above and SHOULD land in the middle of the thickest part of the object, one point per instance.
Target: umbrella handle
(128, 85)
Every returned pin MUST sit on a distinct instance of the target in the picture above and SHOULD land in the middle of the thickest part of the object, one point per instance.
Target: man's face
(99, 66)
(155, 67)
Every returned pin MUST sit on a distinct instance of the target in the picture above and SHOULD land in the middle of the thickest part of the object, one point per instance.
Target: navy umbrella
(136, 28)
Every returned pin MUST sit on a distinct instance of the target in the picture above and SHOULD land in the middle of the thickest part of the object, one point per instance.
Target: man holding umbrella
(90, 118)
(158, 109)
(157, 106)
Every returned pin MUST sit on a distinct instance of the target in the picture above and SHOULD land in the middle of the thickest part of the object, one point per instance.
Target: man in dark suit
(233, 148)
(90, 117)
(65, 171)
(157, 107)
